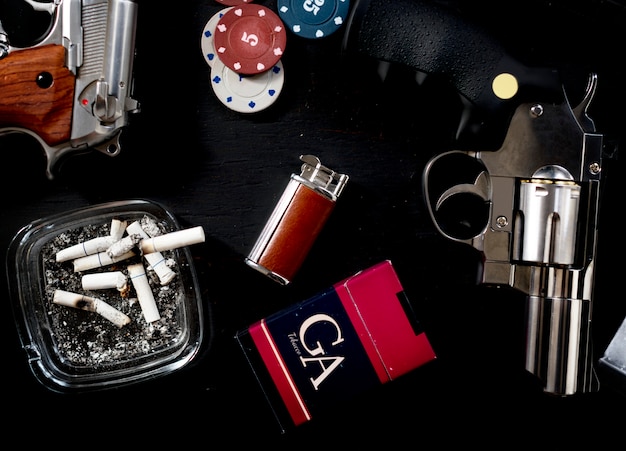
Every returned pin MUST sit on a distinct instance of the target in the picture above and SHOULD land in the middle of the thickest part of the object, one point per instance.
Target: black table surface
(225, 170)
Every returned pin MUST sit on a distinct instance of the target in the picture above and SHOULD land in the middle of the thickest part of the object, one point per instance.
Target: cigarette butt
(89, 247)
(95, 245)
(90, 304)
(139, 279)
(104, 280)
(117, 229)
(98, 261)
(134, 228)
(150, 226)
(172, 240)
(155, 259)
(158, 263)
(123, 245)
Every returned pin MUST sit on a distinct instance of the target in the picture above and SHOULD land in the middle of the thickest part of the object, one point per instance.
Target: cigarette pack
(357, 334)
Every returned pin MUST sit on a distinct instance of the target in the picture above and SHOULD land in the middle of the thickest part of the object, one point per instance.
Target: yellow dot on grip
(504, 86)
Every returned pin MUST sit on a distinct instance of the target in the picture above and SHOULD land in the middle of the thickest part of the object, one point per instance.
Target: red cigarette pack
(357, 334)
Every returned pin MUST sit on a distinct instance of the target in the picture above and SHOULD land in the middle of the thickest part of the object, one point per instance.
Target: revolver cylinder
(546, 222)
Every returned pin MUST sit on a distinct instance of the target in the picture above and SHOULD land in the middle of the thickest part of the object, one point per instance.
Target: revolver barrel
(558, 336)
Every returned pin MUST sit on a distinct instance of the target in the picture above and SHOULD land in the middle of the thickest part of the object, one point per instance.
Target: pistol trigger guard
(40, 6)
(112, 146)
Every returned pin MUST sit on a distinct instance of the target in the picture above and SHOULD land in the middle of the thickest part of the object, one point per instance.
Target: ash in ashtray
(85, 335)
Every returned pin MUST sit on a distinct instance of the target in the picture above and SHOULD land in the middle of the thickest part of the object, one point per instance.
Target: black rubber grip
(435, 39)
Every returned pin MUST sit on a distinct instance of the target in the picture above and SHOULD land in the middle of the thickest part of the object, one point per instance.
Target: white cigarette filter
(91, 304)
(139, 279)
(95, 245)
(157, 262)
(172, 240)
(98, 260)
(89, 247)
(105, 280)
(117, 229)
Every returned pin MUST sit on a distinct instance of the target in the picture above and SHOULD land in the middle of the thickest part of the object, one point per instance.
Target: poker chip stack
(313, 19)
(243, 44)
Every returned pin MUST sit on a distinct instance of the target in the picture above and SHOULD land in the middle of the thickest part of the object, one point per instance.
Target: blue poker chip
(313, 19)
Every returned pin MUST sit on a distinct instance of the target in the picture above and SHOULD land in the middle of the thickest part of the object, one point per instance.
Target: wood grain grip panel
(37, 92)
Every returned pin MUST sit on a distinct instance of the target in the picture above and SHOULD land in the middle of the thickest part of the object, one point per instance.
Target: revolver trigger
(480, 188)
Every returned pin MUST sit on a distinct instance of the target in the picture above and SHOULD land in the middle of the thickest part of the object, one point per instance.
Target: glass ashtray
(81, 336)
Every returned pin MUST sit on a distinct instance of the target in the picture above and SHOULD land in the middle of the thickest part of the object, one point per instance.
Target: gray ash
(86, 339)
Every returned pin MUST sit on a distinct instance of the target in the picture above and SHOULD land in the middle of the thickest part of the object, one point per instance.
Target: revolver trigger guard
(459, 205)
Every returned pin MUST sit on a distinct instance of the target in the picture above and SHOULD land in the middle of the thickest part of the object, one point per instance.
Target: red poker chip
(233, 2)
(250, 39)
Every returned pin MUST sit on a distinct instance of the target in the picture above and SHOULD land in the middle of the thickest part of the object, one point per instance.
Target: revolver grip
(431, 38)
(426, 37)
(37, 93)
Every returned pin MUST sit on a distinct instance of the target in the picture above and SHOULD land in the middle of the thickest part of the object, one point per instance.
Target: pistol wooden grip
(43, 109)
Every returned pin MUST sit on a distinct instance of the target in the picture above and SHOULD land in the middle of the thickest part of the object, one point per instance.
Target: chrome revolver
(538, 196)
(529, 206)
(72, 90)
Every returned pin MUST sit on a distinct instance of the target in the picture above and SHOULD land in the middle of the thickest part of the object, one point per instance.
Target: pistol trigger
(105, 106)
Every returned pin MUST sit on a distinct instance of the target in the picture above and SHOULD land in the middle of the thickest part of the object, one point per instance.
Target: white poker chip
(246, 93)
(207, 41)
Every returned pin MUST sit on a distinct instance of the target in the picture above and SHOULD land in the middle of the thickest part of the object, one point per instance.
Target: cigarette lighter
(351, 337)
(297, 220)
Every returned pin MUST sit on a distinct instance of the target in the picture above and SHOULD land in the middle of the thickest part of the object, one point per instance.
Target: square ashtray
(87, 326)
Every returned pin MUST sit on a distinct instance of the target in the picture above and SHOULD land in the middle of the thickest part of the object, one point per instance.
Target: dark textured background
(224, 171)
